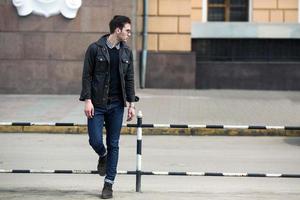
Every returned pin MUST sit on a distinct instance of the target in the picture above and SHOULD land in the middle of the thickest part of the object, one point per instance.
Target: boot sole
(107, 197)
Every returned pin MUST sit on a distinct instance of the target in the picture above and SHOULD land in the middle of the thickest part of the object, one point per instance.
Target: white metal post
(298, 11)
(139, 152)
(250, 11)
(204, 10)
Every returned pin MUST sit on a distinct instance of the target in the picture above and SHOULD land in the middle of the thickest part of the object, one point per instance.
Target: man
(108, 87)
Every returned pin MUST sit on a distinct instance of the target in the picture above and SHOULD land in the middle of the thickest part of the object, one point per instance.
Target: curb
(82, 129)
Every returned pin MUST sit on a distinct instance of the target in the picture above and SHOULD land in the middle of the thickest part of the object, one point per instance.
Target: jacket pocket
(101, 64)
(125, 64)
(98, 88)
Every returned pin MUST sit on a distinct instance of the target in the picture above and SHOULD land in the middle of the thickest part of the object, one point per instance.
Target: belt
(114, 98)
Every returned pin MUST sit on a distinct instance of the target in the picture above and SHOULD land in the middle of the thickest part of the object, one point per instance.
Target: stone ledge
(245, 30)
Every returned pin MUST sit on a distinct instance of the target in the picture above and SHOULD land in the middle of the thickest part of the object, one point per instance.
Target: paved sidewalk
(160, 153)
(228, 107)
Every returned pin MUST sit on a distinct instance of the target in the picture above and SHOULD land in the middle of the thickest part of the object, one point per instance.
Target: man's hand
(131, 112)
(89, 109)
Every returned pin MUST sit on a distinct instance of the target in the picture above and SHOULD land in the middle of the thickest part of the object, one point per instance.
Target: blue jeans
(112, 115)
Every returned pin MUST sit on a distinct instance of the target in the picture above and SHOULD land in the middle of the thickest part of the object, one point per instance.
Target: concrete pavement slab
(229, 107)
(160, 153)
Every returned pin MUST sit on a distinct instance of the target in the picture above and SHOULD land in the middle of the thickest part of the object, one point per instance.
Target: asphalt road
(160, 153)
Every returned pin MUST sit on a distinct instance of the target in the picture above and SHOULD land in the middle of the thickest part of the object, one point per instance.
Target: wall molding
(245, 30)
(47, 8)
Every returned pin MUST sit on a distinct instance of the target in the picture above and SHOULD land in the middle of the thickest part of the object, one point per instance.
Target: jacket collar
(102, 42)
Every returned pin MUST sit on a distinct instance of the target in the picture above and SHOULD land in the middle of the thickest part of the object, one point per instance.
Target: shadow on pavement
(293, 141)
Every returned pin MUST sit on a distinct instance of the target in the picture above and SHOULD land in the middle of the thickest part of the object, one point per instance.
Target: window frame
(205, 8)
(227, 9)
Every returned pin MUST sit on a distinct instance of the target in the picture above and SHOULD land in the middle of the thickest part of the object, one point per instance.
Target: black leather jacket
(96, 73)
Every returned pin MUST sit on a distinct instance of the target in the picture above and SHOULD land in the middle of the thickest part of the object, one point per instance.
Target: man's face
(124, 33)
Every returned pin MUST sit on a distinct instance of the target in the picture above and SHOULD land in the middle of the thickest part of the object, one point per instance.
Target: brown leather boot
(107, 191)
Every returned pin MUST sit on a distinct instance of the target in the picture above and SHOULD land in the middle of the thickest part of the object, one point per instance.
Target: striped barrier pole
(207, 126)
(139, 152)
(154, 173)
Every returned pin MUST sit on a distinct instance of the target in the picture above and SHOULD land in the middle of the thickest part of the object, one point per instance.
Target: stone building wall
(196, 14)
(169, 26)
(41, 55)
(275, 11)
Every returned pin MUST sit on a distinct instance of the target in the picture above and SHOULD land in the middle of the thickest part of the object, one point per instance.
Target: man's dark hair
(118, 21)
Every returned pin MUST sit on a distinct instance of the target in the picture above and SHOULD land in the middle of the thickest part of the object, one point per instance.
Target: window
(253, 50)
(228, 10)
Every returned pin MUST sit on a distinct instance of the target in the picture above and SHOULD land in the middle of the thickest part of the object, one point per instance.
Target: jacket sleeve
(129, 81)
(87, 73)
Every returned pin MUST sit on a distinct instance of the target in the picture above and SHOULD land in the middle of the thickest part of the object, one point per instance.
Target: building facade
(236, 44)
(194, 44)
(40, 55)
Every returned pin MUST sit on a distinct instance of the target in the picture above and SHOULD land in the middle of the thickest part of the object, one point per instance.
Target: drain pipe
(143, 62)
